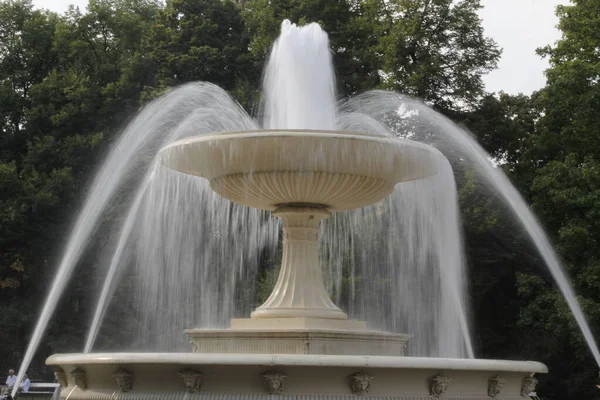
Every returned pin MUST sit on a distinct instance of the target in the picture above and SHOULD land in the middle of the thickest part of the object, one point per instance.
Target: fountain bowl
(271, 168)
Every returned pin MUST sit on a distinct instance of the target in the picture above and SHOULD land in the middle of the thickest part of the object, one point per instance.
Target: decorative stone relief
(61, 377)
(438, 385)
(495, 385)
(274, 381)
(528, 385)
(360, 383)
(79, 377)
(124, 379)
(192, 379)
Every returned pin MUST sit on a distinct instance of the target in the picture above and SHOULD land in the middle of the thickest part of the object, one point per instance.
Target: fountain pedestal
(301, 176)
(299, 291)
(299, 317)
(298, 344)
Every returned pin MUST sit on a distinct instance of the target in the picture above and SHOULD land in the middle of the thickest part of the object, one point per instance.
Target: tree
(436, 50)
(503, 123)
(564, 185)
(26, 56)
(432, 49)
(571, 98)
(203, 40)
(66, 86)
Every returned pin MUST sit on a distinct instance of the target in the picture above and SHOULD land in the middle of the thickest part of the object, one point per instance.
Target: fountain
(301, 176)
(298, 344)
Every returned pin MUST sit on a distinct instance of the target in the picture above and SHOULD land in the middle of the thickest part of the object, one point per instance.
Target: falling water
(200, 274)
(404, 267)
(197, 259)
(408, 115)
(140, 141)
(406, 275)
(212, 111)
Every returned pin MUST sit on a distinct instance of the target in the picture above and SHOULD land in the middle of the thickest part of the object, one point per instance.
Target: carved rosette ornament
(438, 385)
(495, 385)
(360, 383)
(79, 377)
(192, 379)
(274, 381)
(61, 377)
(124, 379)
(528, 385)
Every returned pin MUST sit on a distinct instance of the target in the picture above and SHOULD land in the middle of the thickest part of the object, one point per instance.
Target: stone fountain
(298, 344)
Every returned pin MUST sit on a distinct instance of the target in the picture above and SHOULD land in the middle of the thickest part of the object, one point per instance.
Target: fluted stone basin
(335, 170)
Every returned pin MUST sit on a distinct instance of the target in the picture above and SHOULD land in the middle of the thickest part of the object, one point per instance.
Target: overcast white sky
(518, 26)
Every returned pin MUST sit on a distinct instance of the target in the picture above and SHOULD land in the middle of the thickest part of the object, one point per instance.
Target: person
(25, 384)
(11, 378)
(10, 382)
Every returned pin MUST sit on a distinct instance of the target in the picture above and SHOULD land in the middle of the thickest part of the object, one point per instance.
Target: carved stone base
(158, 376)
(297, 341)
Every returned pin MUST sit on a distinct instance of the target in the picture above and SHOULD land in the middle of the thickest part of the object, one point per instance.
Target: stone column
(300, 291)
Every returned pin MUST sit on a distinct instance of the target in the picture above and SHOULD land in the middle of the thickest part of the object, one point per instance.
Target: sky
(518, 26)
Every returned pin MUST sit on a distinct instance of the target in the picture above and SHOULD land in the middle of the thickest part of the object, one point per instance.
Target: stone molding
(297, 341)
(417, 363)
(316, 376)
(102, 395)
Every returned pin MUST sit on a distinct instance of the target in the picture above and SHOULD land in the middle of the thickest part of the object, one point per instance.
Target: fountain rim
(309, 133)
(456, 364)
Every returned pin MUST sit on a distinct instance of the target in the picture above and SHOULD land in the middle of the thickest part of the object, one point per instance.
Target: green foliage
(199, 40)
(558, 165)
(503, 123)
(436, 50)
(433, 49)
(548, 145)
(571, 99)
(266, 283)
(65, 85)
